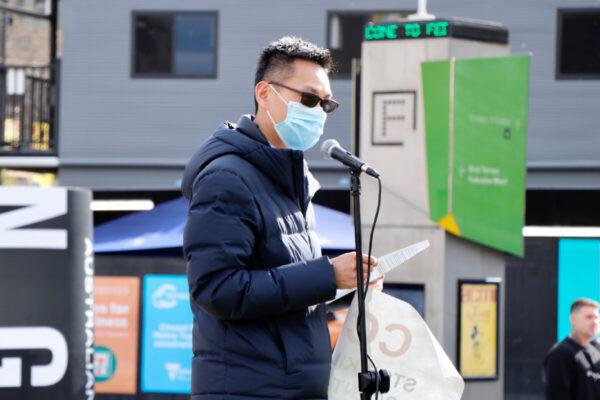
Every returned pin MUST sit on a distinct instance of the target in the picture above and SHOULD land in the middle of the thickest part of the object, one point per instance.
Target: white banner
(401, 343)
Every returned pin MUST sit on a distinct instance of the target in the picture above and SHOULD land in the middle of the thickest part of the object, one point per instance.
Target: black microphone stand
(369, 382)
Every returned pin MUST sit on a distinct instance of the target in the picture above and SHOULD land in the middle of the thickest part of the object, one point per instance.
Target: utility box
(428, 161)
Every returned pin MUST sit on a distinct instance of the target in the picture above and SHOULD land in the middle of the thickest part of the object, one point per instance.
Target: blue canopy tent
(161, 229)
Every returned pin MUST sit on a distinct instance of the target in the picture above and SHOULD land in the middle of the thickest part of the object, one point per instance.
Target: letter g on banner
(33, 338)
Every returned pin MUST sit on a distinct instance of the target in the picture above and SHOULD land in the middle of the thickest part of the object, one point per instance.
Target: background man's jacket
(572, 372)
(255, 271)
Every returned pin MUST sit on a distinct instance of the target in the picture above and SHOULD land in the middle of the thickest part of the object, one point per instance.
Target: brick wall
(27, 39)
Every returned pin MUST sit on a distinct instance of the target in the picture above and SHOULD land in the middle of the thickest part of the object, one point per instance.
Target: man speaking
(256, 275)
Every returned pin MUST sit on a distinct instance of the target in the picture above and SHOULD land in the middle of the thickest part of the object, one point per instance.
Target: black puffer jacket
(257, 278)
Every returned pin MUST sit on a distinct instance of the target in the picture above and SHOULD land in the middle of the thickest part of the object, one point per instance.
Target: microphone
(332, 150)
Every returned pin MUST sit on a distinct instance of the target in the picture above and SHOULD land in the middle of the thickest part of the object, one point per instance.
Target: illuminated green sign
(378, 32)
(408, 30)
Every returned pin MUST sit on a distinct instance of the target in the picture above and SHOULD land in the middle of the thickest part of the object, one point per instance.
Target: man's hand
(377, 284)
(344, 268)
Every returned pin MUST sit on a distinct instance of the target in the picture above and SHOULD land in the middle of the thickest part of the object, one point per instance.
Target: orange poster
(116, 316)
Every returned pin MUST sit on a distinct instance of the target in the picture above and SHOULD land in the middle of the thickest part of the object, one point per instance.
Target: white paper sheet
(400, 342)
(388, 263)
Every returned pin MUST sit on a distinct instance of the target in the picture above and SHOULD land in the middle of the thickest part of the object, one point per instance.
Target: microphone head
(327, 146)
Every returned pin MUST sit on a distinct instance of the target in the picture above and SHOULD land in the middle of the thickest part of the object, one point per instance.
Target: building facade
(125, 130)
(142, 84)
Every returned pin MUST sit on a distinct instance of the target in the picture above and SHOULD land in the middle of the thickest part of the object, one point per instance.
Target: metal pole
(355, 189)
(53, 109)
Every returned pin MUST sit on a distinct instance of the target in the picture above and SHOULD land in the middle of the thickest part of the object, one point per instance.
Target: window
(345, 33)
(175, 45)
(578, 44)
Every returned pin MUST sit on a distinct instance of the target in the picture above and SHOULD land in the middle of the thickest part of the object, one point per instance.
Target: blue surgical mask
(302, 127)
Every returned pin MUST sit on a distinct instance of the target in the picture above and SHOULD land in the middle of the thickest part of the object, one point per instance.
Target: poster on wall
(166, 335)
(116, 309)
(478, 330)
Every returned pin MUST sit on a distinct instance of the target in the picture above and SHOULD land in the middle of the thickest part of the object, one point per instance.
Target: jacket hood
(285, 167)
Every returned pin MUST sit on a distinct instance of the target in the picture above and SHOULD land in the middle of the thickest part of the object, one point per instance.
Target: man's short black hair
(277, 57)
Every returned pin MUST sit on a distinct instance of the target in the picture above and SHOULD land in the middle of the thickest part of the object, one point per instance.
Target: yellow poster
(116, 308)
(478, 332)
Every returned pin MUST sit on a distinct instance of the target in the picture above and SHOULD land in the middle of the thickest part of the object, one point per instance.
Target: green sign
(476, 134)
(408, 30)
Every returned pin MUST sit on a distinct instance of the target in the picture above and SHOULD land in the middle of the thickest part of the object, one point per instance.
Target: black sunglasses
(311, 99)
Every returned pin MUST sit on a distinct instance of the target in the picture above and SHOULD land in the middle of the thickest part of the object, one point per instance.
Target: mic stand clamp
(369, 382)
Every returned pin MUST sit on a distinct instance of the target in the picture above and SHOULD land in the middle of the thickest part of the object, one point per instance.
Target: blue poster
(578, 276)
(166, 335)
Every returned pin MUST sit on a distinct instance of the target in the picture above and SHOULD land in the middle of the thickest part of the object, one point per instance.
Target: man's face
(306, 77)
(586, 321)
